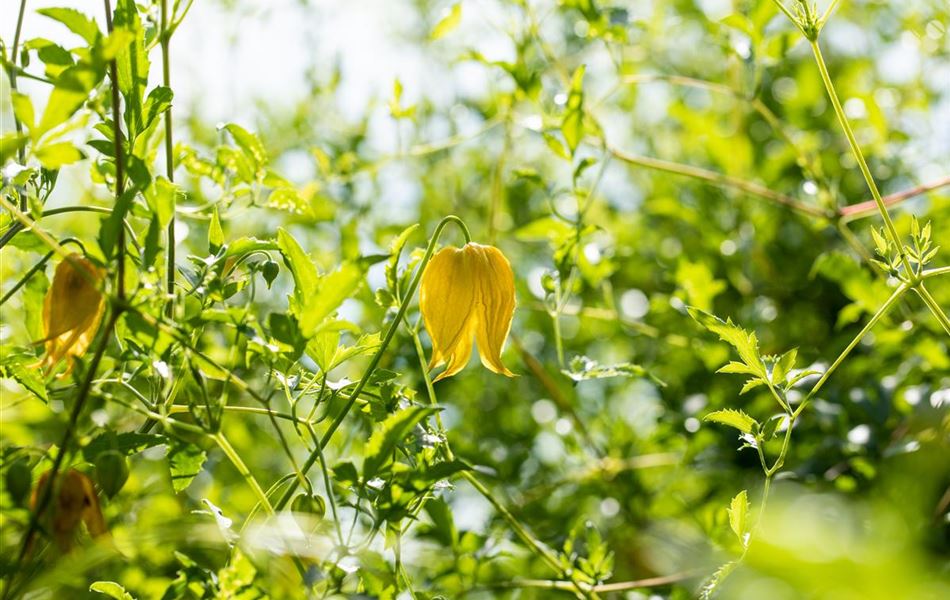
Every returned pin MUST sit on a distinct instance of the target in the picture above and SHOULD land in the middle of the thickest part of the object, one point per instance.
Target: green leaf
(111, 589)
(161, 197)
(783, 365)
(449, 21)
(738, 517)
(184, 462)
(745, 343)
(19, 365)
(10, 144)
(752, 384)
(733, 418)
(390, 432)
(301, 267)
(332, 290)
(77, 22)
(159, 100)
(711, 586)
(54, 156)
(72, 89)
(249, 143)
(737, 368)
(23, 109)
(215, 233)
(127, 443)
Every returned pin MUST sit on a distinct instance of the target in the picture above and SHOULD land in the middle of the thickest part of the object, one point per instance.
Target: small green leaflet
(738, 517)
(111, 589)
(733, 418)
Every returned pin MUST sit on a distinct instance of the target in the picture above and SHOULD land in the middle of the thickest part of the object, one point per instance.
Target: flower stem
(858, 155)
(119, 160)
(165, 37)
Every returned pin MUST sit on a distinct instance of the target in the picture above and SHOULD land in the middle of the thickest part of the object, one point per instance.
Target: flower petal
(72, 310)
(495, 306)
(446, 299)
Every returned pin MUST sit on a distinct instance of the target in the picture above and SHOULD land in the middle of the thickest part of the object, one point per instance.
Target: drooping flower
(74, 500)
(72, 310)
(467, 293)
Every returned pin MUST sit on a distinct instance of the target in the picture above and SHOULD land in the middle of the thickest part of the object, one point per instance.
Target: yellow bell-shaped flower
(467, 293)
(74, 500)
(72, 310)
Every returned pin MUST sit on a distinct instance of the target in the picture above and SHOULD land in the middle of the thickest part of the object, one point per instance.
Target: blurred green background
(377, 123)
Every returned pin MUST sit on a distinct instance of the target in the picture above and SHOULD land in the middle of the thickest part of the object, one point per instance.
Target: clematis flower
(467, 293)
(72, 310)
(74, 500)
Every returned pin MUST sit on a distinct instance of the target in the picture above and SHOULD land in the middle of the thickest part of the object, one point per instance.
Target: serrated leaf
(184, 462)
(18, 366)
(388, 434)
(737, 368)
(751, 385)
(745, 343)
(711, 586)
(449, 21)
(733, 418)
(127, 443)
(77, 22)
(738, 516)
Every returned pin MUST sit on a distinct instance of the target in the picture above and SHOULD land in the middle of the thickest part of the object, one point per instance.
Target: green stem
(935, 272)
(12, 73)
(933, 306)
(854, 342)
(858, 155)
(374, 362)
(165, 37)
(242, 469)
(119, 159)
